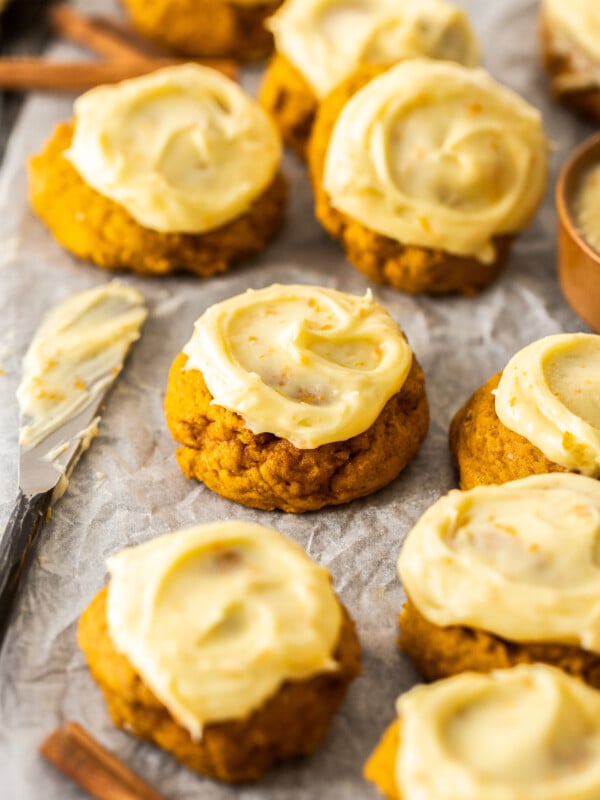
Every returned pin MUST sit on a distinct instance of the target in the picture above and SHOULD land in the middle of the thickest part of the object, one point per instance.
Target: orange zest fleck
(425, 224)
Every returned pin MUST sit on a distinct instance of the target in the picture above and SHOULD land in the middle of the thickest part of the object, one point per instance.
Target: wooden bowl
(578, 261)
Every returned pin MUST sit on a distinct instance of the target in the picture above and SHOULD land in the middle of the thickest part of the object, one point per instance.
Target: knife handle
(27, 518)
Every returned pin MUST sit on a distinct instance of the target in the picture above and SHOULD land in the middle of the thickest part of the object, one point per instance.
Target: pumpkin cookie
(148, 175)
(529, 732)
(213, 28)
(180, 610)
(541, 414)
(570, 37)
(296, 397)
(504, 575)
(405, 167)
(320, 43)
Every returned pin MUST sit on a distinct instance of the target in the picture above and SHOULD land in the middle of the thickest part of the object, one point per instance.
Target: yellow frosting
(579, 22)
(587, 207)
(327, 40)
(308, 364)
(182, 149)
(549, 393)
(529, 733)
(77, 350)
(436, 155)
(520, 560)
(216, 618)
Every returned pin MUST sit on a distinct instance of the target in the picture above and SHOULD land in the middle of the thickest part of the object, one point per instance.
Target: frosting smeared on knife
(77, 351)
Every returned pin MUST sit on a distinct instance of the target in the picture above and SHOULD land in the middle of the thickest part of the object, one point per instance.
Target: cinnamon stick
(77, 755)
(38, 73)
(85, 31)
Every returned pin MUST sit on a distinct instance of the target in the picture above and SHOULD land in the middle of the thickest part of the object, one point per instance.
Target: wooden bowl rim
(581, 159)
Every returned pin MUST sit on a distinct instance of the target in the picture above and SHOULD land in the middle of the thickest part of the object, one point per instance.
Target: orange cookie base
(408, 268)
(485, 450)
(380, 769)
(560, 66)
(212, 28)
(440, 652)
(264, 471)
(292, 722)
(97, 229)
(291, 102)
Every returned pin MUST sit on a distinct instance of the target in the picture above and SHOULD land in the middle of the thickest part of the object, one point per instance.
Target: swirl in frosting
(308, 364)
(327, 40)
(549, 393)
(436, 155)
(521, 560)
(528, 733)
(216, 618)
(182, 149)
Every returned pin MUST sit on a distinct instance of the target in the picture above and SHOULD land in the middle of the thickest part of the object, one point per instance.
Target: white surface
(141, 492)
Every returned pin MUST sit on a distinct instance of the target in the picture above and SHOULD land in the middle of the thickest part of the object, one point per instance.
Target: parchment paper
(128, 488)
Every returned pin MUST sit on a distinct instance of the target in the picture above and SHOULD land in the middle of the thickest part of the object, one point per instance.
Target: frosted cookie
(224, 644)
(530, 733)
(320, 43)
(148, 175)
(541, 414)
(296, 397)
(425, 172)
(195, 28)
(502, 575)
(570, 34)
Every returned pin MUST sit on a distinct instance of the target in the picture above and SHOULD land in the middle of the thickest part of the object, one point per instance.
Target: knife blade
(71, 364)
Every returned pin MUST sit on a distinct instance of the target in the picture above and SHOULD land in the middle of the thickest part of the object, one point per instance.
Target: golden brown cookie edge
(267, 472)
(97, 229)
(293, 722)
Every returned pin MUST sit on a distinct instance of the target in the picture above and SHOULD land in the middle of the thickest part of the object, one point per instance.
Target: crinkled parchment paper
(128, 488)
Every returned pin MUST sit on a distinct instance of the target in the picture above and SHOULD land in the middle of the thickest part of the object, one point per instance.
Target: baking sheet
(128, 488)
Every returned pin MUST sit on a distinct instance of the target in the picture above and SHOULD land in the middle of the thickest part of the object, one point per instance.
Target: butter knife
(72, 362)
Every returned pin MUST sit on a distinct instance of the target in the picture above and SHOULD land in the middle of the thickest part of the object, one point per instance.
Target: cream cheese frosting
(216, 618)
(308, 364)
(327, 40)
(587, 207)
(182, 149)
(75, 354)
(528, 733)
(520, 560)
(435, 155)
(579, 23)
(549, 393)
